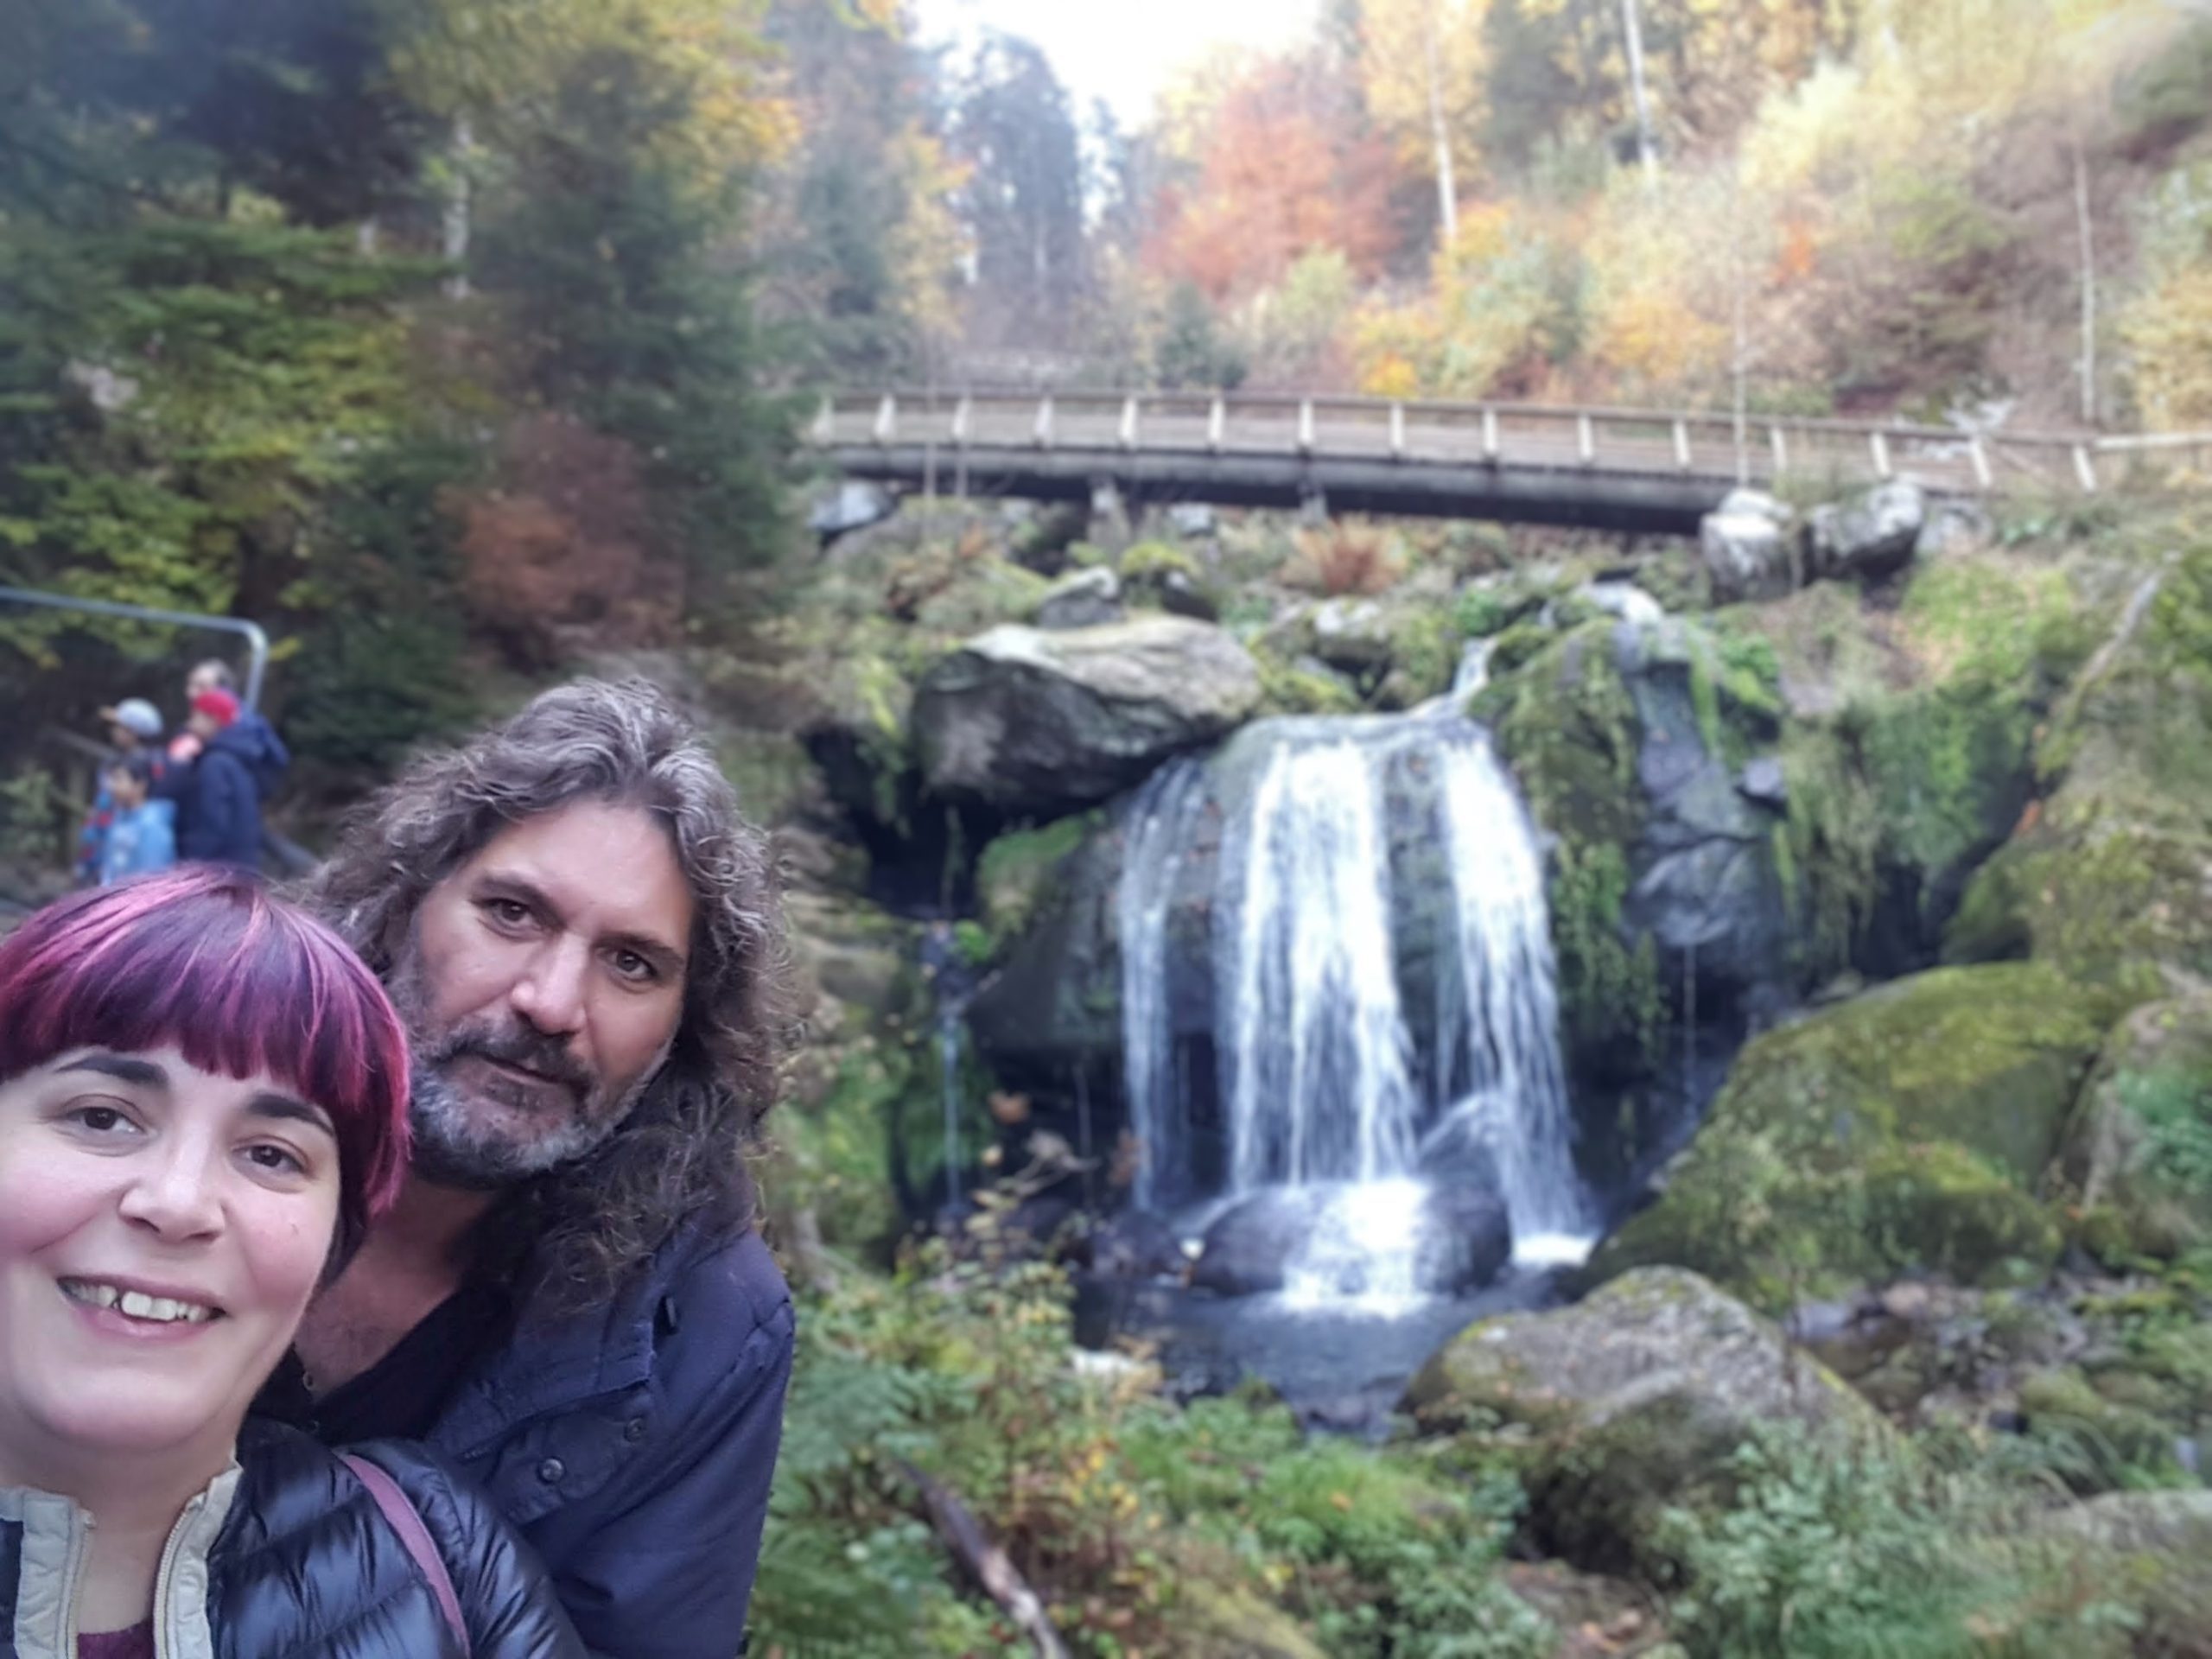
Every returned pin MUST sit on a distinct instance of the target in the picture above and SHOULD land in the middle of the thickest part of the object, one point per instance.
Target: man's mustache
(527, 1050)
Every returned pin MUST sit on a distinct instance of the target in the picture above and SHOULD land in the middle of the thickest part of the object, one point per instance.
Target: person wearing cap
(133, 726)
(220, 800)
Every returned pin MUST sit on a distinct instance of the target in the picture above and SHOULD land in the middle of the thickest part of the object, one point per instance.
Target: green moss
(2103, 1444)
(1153, 562)
(1566, 725)
(1424, 649)
(1016, 870)
(1907, 1130)
(1287, 689)
(771, 773)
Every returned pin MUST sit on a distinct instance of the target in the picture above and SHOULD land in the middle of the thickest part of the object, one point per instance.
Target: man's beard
(454, 1145)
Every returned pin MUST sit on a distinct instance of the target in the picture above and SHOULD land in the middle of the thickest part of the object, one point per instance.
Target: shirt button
(552, 1470)
(634, 1430)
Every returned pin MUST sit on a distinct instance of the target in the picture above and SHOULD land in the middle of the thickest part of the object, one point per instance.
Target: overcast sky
(1121, 50)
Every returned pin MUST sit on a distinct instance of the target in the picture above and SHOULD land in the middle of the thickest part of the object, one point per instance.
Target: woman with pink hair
(203, 1106)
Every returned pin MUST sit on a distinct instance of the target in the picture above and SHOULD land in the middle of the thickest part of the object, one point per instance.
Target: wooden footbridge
(1636, 469)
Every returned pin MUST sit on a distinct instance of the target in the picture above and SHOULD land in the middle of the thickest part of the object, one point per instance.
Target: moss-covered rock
(1016, 872)
(2137, 1155)
(2112, 879)
(1909, 1128)
(1633, 1401)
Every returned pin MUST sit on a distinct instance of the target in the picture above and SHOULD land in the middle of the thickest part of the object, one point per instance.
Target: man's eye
(636, 969)
(508, 912)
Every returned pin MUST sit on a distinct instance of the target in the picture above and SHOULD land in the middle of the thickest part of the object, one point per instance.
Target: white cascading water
(1158, 830)
(1317, 1065)
(1321, 1088)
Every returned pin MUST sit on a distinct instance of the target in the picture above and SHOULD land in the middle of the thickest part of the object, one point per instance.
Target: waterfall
(1510, 1028)
(1320, 1088)
(1158, 831)
(1339, 836)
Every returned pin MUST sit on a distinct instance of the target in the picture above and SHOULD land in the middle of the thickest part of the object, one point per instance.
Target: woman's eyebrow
(291, 1108)
(145, 1074)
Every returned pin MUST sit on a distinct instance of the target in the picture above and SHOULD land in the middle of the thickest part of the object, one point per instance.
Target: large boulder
(1870, 536)
(1749, 547)
(2133, 1156)
(1635, 1398)
(1032, 721)
(1908, 1129)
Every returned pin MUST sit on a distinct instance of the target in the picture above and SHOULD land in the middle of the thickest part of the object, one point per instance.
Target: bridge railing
(1655, 443)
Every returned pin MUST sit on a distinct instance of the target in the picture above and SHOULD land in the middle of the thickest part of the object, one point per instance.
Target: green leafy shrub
(1823, 1556)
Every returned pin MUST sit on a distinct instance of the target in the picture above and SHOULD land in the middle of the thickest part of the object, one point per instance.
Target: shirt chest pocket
(563, 1458)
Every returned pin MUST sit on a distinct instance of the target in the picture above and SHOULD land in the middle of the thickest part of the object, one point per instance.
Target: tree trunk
(1633, 26)
(455, 243)
(1447, 190)
(2088, 283)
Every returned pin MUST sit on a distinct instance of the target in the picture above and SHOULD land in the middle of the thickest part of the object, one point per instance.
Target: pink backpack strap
(401, 1515)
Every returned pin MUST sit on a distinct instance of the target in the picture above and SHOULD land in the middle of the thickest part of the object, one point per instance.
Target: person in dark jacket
(203, 1101)
(221, 794)
(581, 933)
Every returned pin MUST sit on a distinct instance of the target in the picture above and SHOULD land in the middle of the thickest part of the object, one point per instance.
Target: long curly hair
(579, 1233)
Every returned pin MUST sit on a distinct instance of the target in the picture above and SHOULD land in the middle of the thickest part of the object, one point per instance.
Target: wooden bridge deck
(1628, 468)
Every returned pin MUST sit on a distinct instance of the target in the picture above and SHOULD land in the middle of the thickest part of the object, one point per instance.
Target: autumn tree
(1282, 168)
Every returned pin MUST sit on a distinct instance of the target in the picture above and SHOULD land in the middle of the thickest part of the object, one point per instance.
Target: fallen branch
(985, 1561)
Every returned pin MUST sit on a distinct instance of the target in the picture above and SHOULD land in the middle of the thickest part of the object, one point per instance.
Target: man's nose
(550, 992)
(175, 1190)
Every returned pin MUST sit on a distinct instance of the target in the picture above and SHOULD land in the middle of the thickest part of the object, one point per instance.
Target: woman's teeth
(136, 1305)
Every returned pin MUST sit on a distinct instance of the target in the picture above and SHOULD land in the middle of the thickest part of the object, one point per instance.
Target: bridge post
(1682, 443)
(1041, 435)
(1781, 450)
(1217, 420)
(1398, 431)
(1978, 453)
(1585, 439)
(1129, 422)
(1306, 426)
(963, 415)
(1880, 444)
(886, 419)
(1490, 434)
(2085, 469)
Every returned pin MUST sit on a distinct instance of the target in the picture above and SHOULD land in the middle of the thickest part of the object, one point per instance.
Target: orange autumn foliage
(1281, 172)
(558, 558)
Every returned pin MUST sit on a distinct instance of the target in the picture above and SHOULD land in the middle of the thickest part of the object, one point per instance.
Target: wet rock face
(1871, 536)
(1028, 721)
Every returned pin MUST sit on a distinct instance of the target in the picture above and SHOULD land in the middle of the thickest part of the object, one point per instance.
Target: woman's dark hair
(583, 1229)
(207, 960)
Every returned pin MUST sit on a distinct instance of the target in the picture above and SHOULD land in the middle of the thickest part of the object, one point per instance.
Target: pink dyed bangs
(207, 960)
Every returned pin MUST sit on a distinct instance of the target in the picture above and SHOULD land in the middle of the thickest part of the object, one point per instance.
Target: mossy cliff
(1907, 1130)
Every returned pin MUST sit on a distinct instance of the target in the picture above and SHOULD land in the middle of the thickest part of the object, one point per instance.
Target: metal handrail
(256, 641)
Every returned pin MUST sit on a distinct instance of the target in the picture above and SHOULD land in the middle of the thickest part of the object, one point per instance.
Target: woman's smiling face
(162, 1230)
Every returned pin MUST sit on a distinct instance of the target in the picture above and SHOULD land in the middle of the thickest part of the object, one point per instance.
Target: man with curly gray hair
(581, 933)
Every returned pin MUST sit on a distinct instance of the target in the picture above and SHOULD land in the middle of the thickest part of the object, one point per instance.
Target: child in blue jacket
(141, 838)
